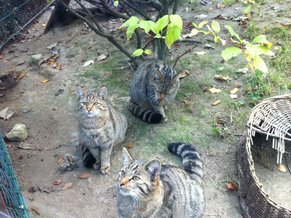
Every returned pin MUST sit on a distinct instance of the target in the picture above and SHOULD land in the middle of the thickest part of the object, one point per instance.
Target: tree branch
(140, 12)
(186, 52)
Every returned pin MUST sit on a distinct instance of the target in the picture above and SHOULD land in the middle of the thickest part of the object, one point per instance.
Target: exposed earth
(45, 101)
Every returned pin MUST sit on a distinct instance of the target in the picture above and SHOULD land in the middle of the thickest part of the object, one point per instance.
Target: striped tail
(192, 162)
(88, 158)
(146, 115)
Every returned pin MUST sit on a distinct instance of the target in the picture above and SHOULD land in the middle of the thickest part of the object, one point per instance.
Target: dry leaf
(214, 90)
(44, 81)
(35, 210)
(102, 57)
(282, 168)
(52, 46)
(67, 186)
(25, 146)
(61, 160)
(58, 182)
(231, 186)
(234, 91)
(243, 70)
(87, 63)
(129, 145)
(200, 53)
(221, 77)
(85, 175)
(234, 96)
(6, 114)
(20, 75)
(187, 102)
(216, 103)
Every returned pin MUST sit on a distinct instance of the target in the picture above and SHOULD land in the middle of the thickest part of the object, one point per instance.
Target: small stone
(20, 157)
(18, 133)
(34, 59)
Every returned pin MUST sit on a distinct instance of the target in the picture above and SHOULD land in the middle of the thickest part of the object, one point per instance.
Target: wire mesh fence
(16, 15)
(13, 201)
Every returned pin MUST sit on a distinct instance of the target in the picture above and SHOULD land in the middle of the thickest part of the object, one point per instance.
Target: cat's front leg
(156, 103)
(105, 159)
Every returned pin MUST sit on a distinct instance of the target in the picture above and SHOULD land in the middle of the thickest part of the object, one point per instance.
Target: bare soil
(53, 132)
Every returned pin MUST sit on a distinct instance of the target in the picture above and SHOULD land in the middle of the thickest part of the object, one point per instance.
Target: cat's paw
(165, 119)
(105, 170)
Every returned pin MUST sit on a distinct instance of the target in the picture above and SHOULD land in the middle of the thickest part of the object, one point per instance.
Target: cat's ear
(80, 91)
(102, 93)
(126, 157)
(183, 74)
(153, 168)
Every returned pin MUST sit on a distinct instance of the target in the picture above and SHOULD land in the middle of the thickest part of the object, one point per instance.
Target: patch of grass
(229, 2)
(253, 30)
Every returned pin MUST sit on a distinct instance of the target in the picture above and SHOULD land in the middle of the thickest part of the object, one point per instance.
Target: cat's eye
(83, 104)
(135, 178)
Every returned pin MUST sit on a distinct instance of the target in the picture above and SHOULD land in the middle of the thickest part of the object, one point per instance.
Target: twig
(175, 6)
(142, 13)
(186, 52)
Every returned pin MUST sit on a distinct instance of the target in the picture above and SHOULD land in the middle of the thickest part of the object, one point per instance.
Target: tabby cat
(152, 190)
(152, 84)
(101, 127)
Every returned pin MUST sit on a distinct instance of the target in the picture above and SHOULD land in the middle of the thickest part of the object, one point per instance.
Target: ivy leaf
(259, 64)
(173, 33)
(137, 52)
(230, 52)
(232, 32)
(148, 51)
(160, 24)
(177, 20)
(215, 26)
(146, 25)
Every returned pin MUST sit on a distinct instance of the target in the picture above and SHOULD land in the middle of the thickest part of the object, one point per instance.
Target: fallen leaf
(221, 77)
(102, 57)
(234, 91)
(52, 46)
(20, 75)
(234, 96)
(216, 103)
(25, 146)
(57, 182)
(231, 186)
(129, 145)
(200, 53)
(6, 114)
(85, 175)
(44, 81)
(87, 63)
(282, 168)
(35, 210)
(214, 90)
(67, 186)
(186, 101)
(32, 189)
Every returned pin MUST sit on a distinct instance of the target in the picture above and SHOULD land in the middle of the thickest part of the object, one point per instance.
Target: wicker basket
(271, 117)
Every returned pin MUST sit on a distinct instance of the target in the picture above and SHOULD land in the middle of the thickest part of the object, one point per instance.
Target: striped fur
(153, 190)
(152, 85)
(101, 128)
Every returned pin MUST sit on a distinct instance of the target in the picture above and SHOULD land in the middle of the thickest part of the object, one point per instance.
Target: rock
(18, 133)
(34, 59)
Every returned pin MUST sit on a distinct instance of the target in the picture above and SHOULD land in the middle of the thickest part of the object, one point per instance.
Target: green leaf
(130, 31)
(216, 39)
(230, 52)
(194, 32)
(137, 52)
(259, 64)
(233, 33)
(148, 51)
(160, 24)
(261, 39)
(247, 10)
(173, 34)
(116, 3)
(177, 20)
(195, 25)
(258, 50)
(132, 21)
(146, 25)
(215, 26)
(202, 24)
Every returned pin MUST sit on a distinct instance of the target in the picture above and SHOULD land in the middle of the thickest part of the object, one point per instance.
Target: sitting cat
(152, 84)
(152, 190)
(101, 127)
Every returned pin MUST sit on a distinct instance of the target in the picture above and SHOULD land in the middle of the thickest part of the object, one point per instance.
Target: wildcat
(101, 128)
(153, 83)
(152, 190)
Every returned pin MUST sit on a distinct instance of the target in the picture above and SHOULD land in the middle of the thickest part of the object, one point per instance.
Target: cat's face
(92, 104)
(137, 179)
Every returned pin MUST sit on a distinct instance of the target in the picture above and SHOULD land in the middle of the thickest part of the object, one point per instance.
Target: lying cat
(101, 128)
(152, 190)
(152, 84)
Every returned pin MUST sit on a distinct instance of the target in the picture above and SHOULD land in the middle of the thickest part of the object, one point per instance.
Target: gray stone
(18, 133)
(34, 59)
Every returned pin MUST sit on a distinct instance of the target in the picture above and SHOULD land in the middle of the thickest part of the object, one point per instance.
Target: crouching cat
(101, 128)
(153, 83)
(152, 190)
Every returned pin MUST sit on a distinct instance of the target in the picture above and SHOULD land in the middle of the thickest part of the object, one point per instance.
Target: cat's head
(166, 81)
(137, 179)
(92, 104)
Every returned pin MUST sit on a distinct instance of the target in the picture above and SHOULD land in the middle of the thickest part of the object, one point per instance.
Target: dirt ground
(50, 117)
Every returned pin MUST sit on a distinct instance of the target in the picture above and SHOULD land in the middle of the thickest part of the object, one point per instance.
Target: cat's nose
(124, 182)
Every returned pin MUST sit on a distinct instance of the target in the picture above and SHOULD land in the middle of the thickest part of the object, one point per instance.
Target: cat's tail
(192, 162)
(88, 158)
(146, 115)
